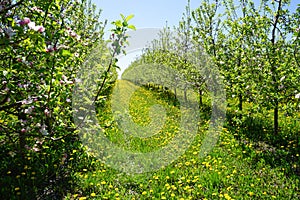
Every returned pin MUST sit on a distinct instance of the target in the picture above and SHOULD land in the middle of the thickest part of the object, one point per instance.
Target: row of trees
(43, 47)
(255, 47)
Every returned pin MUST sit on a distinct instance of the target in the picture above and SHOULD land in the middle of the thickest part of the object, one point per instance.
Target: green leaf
(66, 53)
(118, 23)
(123, 17)
(130, 26)
(129, 17)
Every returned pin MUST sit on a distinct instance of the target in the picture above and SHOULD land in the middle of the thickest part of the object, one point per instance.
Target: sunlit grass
(237, 168)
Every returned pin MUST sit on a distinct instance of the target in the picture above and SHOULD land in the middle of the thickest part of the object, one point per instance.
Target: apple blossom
(40, 29)
(25, 21)
(32, 26)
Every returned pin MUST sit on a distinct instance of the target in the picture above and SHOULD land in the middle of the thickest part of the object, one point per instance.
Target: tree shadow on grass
(278, 151)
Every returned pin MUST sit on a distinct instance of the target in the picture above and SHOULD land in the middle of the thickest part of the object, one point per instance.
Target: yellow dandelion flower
(93, 194)
(144, 193)
(251, 193)
(227, 196)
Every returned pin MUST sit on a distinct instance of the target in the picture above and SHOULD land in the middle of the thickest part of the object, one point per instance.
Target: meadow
(240, 166)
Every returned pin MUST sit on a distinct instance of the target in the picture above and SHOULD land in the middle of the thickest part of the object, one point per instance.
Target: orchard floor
(246, 163)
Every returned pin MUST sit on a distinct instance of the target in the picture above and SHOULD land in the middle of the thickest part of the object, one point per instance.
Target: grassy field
(246, 163)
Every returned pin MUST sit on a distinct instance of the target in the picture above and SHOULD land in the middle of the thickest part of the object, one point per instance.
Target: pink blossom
(32, 26)
(46, 112)
(49, 49)
(25, 21)
(73, 34)
(40, 29)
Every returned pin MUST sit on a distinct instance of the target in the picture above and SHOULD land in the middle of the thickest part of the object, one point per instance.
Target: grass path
(231, 171)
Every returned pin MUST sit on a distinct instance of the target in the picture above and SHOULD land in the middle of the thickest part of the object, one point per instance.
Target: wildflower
(93, 194)
(297, 96)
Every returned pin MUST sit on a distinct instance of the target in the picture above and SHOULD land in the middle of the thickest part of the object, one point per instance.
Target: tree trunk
(200, 96)
(240, 102)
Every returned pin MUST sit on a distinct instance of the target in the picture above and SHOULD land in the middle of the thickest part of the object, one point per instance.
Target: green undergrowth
(243, 165)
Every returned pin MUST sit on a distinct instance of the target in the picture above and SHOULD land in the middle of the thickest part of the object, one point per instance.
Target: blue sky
(148, 14)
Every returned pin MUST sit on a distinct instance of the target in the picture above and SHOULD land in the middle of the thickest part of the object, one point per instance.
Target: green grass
(241, 166)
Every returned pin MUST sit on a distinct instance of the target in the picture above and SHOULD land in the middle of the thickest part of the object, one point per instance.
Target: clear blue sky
(148, 14)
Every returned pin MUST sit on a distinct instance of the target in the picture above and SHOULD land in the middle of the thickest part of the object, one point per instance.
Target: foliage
(42, 46)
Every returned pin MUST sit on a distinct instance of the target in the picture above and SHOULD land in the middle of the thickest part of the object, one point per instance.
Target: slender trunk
(273, 66)
(200, 97)
(240, 102)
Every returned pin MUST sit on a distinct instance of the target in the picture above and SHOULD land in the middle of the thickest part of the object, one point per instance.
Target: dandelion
(227, 196)
(93, 194)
